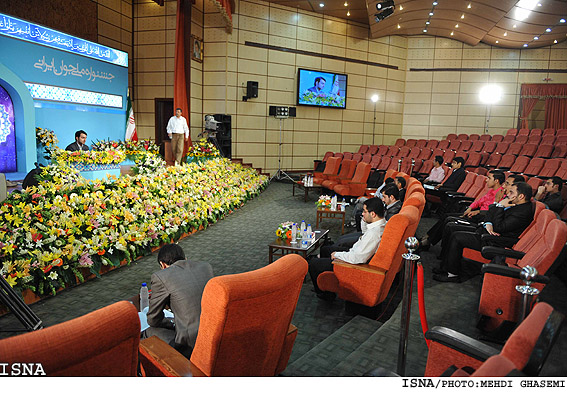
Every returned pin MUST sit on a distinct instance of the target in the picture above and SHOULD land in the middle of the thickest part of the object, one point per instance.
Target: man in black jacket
(452, 183)
(552, 192)
(391, 199)
(505, 222)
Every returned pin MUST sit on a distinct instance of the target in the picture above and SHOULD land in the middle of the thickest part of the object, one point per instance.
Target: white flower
(53, 275)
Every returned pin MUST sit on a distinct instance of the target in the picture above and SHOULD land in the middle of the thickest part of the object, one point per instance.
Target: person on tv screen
(318, 86)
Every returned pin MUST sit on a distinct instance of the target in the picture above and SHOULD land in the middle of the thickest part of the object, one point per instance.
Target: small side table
(299, 184)
(333, 214)
(281, 247)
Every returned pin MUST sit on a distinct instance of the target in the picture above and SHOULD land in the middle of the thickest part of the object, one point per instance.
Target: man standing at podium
(178, 132)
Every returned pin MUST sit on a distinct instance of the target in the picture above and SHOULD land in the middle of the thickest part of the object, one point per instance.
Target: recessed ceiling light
(562, 20)
(505, 33)
(348, 13)
(452, 33)
(321, 5)
(536, 38)
(555, 41)
(434, 3)
(425, 30)
(548, 30)
(457, 26)
(399, 27)
(514, 26)
(463, 16)
(539, 4)
(428, 22)
(431, 14)
(525, 45)
(346, 4)
(401, 7)
(496, 41)
(469, 6)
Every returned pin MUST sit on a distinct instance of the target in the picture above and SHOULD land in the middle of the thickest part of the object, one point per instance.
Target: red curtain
(555, 96)
(181, 82)
(556, 113)
(528, 105)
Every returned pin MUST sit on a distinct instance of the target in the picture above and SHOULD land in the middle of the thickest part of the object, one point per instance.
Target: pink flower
(85, 260)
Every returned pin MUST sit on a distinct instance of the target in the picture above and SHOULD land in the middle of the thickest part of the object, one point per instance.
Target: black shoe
(438, 270)
(327, 296)
(445, 278)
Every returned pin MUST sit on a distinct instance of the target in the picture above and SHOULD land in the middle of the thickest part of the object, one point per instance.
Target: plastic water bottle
(309, 232)
(304, 239)
(305, 180)
(310, 181)
(303, 226)
(144, 297)
(334, 203)
(343, 205)
(294, 233)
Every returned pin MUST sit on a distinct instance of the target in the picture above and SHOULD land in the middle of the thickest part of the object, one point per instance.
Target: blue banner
(17, 28)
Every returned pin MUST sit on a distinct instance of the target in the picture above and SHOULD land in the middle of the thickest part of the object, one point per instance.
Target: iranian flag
(131, 124)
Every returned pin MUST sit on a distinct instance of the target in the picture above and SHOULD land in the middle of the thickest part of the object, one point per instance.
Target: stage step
(322, 358)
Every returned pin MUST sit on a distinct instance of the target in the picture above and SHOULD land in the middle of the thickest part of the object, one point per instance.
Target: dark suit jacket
(553, 202)
(509, 223)
(394, 209)
(455, 180)
(181, 287)
(75, 147)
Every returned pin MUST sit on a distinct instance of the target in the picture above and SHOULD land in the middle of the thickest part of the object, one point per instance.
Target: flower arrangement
(103, 157)
(47, 139)
(324, 202)
(134, 150)
(203, 148)
(148, 163)
(284, 230)
(54, 233)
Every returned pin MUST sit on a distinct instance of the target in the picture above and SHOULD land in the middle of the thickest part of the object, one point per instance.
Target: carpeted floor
(239, 242)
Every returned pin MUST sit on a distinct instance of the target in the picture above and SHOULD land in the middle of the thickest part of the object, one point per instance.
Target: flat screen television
(318, 88)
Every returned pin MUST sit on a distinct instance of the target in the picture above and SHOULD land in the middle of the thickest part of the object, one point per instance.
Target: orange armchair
(357, 185)
(331, 168)
(245, 327)
(101, 343)
(346, 173)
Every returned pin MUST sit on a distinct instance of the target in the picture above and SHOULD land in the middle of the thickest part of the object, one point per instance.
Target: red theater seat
(373, 149)
(498, 138)
(432, 144)
(512, 131)
(444, 144)
(515, 148)
(400, 142)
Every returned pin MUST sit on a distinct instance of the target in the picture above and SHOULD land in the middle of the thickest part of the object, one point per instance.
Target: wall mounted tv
(318, 88)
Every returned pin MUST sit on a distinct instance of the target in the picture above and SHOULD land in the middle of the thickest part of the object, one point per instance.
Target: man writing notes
(179, 284)
(361, 251)
(178, 132)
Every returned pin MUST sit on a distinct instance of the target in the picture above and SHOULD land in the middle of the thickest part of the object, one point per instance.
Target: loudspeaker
(292, 111)
(272, 110)
(251, 89)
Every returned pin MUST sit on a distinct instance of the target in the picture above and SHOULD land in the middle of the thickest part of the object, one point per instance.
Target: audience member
(391, 199)
(452, 183)
(472, 215)
(361, 251)
(505, 221)
(79, 144)
(552, 192)
(178, 285)
(437, 173)
(400, 182)
(356, 219)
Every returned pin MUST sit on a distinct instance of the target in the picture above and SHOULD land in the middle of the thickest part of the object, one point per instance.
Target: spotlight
(548, 30)
(384, 4)
(384, 14)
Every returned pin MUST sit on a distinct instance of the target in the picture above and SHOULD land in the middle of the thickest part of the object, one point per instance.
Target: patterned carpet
(239, 242)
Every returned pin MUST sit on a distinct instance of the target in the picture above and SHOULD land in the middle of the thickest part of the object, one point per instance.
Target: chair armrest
(510, 272)
(489, 252)
(362, 267)
(160, 359)
(455, 193)
(459, 342)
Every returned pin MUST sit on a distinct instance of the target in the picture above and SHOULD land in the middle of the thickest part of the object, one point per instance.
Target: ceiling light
(384, 14)
(452, 33)
(463, 16)
(401, 8)
(548, 30)
(384, 4)
(425, 30)
(399, 27)
(539, 4)
(321, 5)
(562, 20)
(505, 33)
(514, 26)
(457, 26)
(525, 45)
(428, 22)
(555, 41)
(469, 6)
(374, 98)
(524, 9)
(346, 4)
(536, 38)
(348, 13)
(431, 14)
(496, 41)
(434, 3)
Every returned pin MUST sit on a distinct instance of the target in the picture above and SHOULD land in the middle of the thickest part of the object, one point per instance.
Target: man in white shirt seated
(178, 132)
(361, 251)
(437, 174)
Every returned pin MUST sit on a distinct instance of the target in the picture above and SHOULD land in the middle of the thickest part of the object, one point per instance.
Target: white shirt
(178, 126)
(366, 246)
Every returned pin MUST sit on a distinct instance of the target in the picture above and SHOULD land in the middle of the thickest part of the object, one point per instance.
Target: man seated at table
(79, 144)
(360, 252)
(178, 285)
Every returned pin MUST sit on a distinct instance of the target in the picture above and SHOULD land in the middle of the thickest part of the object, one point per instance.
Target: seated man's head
(495, 179)
(169, 254)
(519, 193)
(511, 180)
(400, 182)
(373, 210)
(438, 161)
(390, 195)
(319, 82)
(388, 180)
(458, 162)
(553, 185)
(81, 137)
